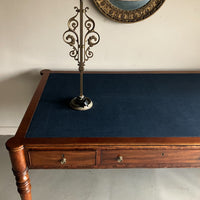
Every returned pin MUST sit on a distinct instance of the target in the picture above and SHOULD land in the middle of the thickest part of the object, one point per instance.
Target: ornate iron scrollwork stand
(81, 52)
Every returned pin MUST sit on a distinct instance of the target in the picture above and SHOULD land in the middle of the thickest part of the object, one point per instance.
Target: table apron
(113, 157)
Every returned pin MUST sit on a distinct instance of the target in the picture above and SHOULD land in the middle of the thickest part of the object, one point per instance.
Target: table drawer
(61, 159)
(150, 158)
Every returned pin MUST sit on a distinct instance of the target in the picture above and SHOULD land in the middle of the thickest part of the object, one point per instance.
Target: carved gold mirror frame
(127, 16)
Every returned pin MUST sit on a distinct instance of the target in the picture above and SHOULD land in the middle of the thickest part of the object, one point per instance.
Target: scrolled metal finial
(81, 48)
(71, 37)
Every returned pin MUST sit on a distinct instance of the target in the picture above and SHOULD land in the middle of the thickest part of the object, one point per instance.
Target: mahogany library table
(138, 120)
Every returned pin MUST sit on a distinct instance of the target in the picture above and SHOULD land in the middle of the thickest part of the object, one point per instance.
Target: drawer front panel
(62, 159)
(150, 158)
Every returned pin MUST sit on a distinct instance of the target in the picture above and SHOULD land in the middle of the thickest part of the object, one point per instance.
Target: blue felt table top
(125, 105)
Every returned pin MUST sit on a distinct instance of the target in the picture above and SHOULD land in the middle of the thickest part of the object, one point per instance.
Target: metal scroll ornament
(81, 36)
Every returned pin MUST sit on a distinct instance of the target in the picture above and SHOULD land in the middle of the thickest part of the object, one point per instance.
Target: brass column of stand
(81, 52)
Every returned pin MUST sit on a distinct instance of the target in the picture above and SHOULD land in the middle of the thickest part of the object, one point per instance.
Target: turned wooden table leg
(20, 171)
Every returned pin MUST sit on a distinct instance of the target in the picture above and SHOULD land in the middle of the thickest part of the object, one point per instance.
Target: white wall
(31, 40)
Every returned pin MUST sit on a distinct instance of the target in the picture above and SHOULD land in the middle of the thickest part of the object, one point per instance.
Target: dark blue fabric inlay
(125, 105)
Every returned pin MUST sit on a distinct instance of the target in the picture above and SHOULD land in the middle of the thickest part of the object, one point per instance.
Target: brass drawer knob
(119, 159)
(63, 160)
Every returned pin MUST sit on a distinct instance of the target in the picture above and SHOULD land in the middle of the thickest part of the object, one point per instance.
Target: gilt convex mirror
(128, 11)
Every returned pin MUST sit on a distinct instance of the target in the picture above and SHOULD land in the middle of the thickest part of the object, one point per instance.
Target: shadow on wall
(16, 93)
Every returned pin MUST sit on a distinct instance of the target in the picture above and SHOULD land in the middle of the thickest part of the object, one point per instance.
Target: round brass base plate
(76, 104)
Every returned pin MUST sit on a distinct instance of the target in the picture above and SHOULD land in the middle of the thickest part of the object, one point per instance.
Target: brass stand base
(81, 103)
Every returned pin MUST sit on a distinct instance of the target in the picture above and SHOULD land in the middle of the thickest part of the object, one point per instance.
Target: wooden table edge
(16, 142)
